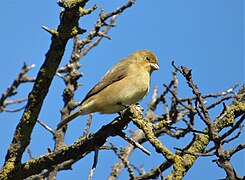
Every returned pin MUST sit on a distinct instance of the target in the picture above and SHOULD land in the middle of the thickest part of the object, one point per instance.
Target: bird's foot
(125, 106)
(138, 107)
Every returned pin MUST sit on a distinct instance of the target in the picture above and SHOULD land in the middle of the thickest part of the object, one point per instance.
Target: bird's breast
(135, 87)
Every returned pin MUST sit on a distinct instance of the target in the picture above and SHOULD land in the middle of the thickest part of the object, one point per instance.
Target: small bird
(126, 83)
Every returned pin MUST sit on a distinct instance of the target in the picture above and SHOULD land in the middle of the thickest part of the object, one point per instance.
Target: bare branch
(194, 153)
(133, 142)
(96, 154)
(30, 153)
(11, 90)
(86, 130)
(101, 22)
(126, 162)
(8, 102)
(237, 149)
(214, 95)
(233, 128)
(85, 50)
(45, 126)
(15, 110)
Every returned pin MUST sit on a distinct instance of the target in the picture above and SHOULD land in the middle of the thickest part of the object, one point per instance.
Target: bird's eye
(147, 58)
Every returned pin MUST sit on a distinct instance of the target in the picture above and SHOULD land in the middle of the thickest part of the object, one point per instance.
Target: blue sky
(205, 35)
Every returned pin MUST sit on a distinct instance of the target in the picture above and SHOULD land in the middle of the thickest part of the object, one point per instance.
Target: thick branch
(78, 150)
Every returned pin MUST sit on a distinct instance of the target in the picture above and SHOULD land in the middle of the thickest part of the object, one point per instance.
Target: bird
(126, 83)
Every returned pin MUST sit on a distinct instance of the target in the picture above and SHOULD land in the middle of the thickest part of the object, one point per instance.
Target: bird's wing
(116, 73)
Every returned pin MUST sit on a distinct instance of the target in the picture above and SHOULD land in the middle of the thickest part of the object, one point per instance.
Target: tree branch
(11, 91)
(78, 150)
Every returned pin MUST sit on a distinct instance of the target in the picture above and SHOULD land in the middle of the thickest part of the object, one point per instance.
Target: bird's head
(146, 59)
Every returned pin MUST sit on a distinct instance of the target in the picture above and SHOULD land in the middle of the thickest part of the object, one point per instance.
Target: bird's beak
(155, 66)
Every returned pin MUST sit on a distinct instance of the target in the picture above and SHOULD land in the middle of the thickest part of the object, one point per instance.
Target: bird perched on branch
(126, 83)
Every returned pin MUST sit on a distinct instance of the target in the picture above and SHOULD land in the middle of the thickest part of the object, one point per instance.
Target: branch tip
(52, 32)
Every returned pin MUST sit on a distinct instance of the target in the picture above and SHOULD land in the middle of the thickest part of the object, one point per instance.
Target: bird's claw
(138, 107)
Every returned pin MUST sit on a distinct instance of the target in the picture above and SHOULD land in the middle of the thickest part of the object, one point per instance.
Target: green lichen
(234, 109)
(160, 125)
(179, 170)
(229, 119)
(147, 128)
(199, 145)
(239, 106)
(31, 163)
(74, 3)
(83, 12)
(8, 167)
(78, 141)
(3, 176)
(55, 32)
(74, 31)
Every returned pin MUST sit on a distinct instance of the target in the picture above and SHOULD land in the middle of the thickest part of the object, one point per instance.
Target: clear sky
(206, 35)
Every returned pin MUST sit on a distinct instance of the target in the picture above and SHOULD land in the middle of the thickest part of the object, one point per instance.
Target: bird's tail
(69, 118)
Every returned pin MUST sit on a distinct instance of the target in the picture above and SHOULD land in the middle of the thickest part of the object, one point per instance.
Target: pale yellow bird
(126, 83)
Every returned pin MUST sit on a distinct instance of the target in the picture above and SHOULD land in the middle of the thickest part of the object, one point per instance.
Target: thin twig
(96, 155)
(45, 126)
(194, 153)
(97, 41)
(220, 101)
(125, 162)
(7, 102)
(213, 95)
(237, 149)
(14, 110)
(30, 153)
(234, 127)
(174, 95)
(151, 106)
(11, 90)
(133, 142)
(234, 137)
(86, 130)
(168, 120)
